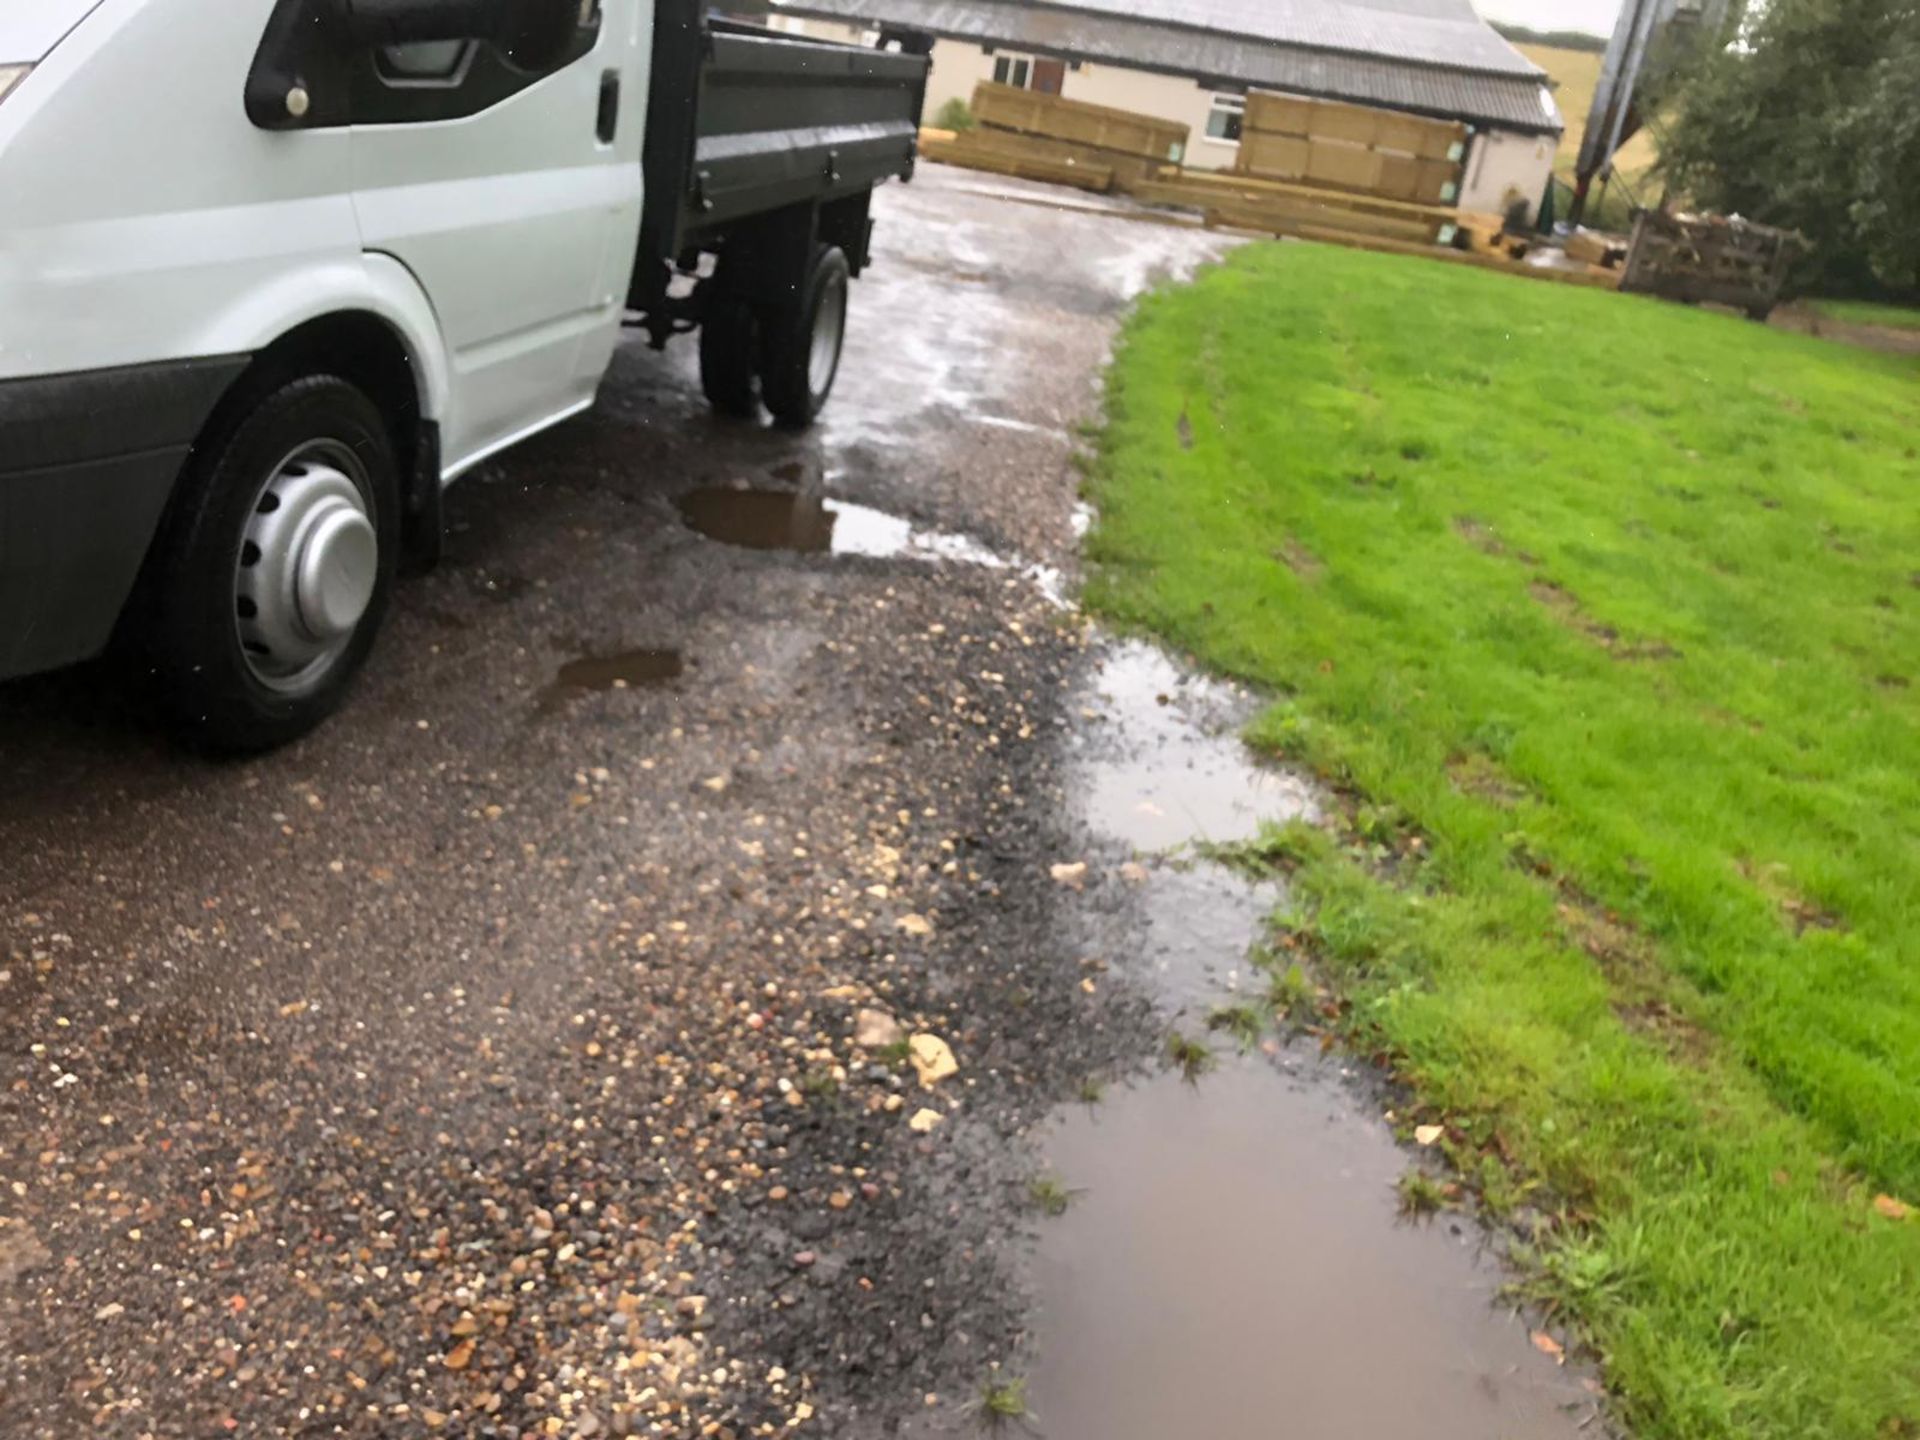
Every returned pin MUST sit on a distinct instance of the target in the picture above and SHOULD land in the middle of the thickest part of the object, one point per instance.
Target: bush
(956, 114)
(1809, 123)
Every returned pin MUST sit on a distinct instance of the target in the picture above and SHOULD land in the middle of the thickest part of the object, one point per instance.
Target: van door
(503, 187)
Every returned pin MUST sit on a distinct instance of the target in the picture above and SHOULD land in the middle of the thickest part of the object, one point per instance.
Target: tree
(1810, 121)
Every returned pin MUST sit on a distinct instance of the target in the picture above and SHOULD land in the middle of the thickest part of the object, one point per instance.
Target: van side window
(307, 74)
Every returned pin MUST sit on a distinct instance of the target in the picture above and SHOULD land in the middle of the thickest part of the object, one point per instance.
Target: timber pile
(1063, 142)
(1018, 156)
(1352, 147)
(1245, 202)
(1594, 247)
(1484, 234)
(1099, 127)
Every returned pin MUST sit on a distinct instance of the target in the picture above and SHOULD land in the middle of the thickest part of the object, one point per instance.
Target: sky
(1595, 15)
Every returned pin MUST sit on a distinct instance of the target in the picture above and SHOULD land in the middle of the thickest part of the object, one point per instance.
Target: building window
(1225, 120)
(1014, 70)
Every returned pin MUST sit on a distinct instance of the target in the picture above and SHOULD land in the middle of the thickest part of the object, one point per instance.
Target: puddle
(1234, 1264)
(629, 671)
(762, 519)
(807, 523)
(1161, 763)
(1200, 921)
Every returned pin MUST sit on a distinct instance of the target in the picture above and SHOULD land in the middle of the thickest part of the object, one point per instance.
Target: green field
(1605, 616)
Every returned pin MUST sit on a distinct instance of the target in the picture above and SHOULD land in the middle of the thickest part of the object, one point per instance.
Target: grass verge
(1870, 312)
(1612, 606)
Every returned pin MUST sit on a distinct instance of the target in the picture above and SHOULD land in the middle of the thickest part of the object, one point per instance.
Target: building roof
(1432, 57)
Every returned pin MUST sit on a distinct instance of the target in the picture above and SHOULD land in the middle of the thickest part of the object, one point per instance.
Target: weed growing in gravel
(1243, 1022)
(1193, 1058)
(1092, 1092)
(1421, 1196)
(896, 1056)
(1003, 1401)
(1276, 849)
(1050, 1197)
(820, 1085)
(1290, 991)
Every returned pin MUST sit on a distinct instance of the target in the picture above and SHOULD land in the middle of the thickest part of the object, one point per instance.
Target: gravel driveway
(488, 1064)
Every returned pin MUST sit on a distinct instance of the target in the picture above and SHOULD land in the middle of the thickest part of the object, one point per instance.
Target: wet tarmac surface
(527, 1053)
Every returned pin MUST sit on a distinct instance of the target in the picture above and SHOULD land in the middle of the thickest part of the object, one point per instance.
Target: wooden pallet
(1711, 258)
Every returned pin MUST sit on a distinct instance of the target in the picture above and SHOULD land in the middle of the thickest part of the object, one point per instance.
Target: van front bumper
(87, 462)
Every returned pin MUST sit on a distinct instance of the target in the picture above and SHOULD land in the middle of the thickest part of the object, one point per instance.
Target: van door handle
(607, 122)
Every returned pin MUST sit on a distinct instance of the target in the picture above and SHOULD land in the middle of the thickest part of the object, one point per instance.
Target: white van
(274, 272)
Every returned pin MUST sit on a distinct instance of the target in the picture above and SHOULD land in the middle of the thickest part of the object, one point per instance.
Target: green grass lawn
(1870, 312)
(1606, 615)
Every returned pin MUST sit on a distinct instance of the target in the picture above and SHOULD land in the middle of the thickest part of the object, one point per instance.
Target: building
(1193, 61)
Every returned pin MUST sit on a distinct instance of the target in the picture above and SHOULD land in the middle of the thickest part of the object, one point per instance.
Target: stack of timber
(1355, 148)
(1001, 153)
(1594, 247)
(1245, 202)
(1484, 234)
(1722, 260)
(1068, 142)
(1146, 141)
(1360, 222)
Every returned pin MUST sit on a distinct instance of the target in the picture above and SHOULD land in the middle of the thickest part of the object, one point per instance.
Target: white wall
(1502, 165)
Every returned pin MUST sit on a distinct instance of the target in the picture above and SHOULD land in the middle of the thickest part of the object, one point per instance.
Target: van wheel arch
(366, 351)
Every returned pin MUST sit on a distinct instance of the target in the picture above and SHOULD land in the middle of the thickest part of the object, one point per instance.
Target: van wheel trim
(307, 567)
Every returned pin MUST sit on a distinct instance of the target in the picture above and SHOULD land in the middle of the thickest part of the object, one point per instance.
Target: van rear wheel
(802, 345)
(276, 567)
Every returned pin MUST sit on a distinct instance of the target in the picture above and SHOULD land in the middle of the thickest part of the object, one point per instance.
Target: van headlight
(10, 76)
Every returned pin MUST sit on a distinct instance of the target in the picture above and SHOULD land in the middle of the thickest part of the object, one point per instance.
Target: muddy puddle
(808, 523)
(1234, 1262)
(1234, 1265)
(630, 670)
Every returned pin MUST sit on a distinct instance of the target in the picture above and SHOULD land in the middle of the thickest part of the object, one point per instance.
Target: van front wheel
(276, 566)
